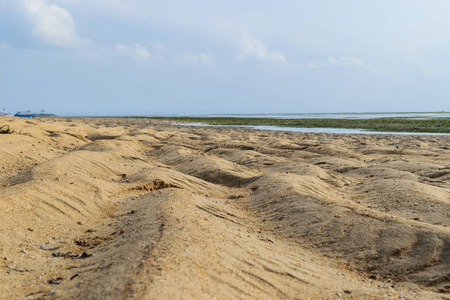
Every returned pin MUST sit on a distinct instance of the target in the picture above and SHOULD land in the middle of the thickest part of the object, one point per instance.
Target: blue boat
(25, 115)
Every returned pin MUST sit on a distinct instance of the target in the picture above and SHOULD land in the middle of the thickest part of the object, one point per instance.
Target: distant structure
(43, 114)
(4, 112)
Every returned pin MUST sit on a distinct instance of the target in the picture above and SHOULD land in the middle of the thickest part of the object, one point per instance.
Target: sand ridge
(138, 209)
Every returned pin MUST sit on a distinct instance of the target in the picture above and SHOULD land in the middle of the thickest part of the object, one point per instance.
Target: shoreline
(375, 124)
(316, 129)
(433, 125)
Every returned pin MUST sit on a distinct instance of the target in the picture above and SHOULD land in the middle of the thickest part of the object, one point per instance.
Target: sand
(110, 208)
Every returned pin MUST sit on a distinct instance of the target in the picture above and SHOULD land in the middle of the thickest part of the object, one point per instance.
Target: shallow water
(315, 130)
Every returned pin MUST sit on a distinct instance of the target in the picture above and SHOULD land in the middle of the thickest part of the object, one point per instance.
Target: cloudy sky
(119, 57)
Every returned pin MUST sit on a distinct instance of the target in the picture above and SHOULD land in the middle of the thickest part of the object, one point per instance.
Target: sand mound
(180, 245)
(161, 177)
(213, 169)
(248, 158)
(307, 209)
(332, 150)
(380, 173)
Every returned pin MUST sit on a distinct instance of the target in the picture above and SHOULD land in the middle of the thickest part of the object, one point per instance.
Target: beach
(125, 208)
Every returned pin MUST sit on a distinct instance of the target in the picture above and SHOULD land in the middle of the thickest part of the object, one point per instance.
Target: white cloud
(136, 52)
(159, 47)
(4, 46)
(251, 47)
(194, 60)
(53, 24)
(340, 62)
(106, 7)
(353, 63)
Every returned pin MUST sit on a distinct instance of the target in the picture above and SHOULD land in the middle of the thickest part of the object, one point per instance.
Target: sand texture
(115, 208)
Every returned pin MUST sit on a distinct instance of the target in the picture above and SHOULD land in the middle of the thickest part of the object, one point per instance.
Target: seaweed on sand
(4, 129)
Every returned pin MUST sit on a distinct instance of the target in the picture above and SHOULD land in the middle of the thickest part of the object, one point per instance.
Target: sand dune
(139, 209)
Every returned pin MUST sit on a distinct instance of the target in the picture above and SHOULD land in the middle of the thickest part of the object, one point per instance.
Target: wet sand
(110, 208)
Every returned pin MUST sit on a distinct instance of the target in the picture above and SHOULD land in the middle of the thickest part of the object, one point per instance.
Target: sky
(136, 57)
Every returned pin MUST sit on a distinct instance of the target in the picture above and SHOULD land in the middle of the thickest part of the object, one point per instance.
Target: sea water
(313, 130)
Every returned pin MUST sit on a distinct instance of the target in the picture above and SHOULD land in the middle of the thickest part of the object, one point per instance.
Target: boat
(25, 115)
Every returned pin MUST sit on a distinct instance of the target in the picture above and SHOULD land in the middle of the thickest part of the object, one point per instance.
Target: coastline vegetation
(6, 130)
(430, 125)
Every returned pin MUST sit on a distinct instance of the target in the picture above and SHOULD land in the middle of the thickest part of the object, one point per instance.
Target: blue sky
(117, 57)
